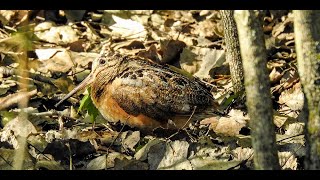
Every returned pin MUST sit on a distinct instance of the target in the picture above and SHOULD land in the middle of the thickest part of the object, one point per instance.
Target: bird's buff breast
(112, 112)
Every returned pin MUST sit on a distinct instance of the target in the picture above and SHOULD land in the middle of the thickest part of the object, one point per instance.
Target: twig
(290, 137)
(15, 98)
(285, 162)
(70, 155)
(242, 162)
(194, 109)
(11, 71)
(5, 160)
(114, 140)
(39, 151)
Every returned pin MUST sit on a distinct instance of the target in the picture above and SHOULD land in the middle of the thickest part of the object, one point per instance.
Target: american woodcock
(143, 94)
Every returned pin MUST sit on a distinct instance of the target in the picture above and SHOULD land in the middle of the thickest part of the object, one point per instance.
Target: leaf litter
(60, 56)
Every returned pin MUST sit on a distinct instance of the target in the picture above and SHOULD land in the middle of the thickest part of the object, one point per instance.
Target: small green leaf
(84, 103)
(87, 104)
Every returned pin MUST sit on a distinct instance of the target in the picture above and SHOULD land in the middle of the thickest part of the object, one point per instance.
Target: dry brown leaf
(288, 161)
(274, 76)
(97, 163)
(128, 29)
(61, 35)
(200, 61)
(78, 46)
(151, 53)
(189, 61)
(142, 154)
(295, 128)
(208, 29)
(157, 20)
(280, 27)
(6, 15)
(243, 154)
(7, 158)
(289, 78)
(129, 139)
(170, 50)
(230, 126)
(293, 97)
(210, 157)
(169, 156)
(56, 60)
(64, 84)
(276, 63)
(142, 19)
(82, 59)
(113, 156)
(20, 127)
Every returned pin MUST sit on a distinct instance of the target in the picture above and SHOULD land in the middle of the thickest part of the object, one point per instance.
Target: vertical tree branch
(233, 55)
(307, 39)
(257, 88)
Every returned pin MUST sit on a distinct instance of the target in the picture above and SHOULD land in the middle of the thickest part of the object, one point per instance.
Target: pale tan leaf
(59, 61)
(6, 15)
(20, 127)
(130, 139)
(230, 126)
(292, 97)
(208, 28)
(127, 28)
(279, 119)
(199, 61)
(210, 58)
(207, 164)
(97, 163)
(61, 35)
(280, 27)
(288, 161)
(142, 154)
(295, 128)
(274, 75)
(82, 59)
(113, 156)
(169, 156)
(242, 154)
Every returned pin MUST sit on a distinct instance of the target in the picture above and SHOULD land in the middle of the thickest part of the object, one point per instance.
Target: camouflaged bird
(143, 94)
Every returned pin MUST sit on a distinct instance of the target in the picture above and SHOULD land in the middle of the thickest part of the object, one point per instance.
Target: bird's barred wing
(158, 93)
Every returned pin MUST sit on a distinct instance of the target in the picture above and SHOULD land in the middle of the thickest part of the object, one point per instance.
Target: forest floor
(60, 54)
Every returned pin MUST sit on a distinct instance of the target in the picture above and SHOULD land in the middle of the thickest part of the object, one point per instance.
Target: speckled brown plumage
(144, 94)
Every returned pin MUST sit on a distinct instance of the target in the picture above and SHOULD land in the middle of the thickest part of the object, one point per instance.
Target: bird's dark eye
(102, 61)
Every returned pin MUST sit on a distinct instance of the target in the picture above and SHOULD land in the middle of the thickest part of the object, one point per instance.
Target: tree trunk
(257, 86)
(307, 39)
(233, 55)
